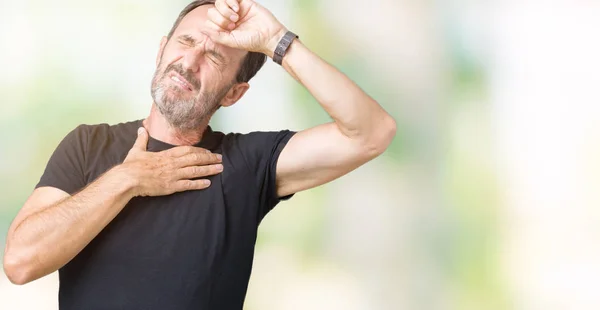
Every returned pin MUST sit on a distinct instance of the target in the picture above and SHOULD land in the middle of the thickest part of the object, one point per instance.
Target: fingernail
(219, 156)
(235, 8)
(140, 130)
(219, 167)
(234, 18)
(231, 26)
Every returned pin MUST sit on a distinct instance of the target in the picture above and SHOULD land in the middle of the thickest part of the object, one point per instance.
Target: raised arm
(361, 129)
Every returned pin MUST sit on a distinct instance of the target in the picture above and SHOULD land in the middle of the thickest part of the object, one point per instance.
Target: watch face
(283, 45)
(280, 49)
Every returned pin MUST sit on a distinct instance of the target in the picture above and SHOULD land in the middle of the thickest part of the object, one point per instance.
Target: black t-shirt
(189, 250)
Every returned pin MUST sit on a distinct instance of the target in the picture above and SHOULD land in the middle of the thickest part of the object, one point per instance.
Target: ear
(161, 49)
(234, 94)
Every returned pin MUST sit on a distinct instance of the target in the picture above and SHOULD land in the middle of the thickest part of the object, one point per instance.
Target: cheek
(208, 76)
(221, 76)
(168, 57)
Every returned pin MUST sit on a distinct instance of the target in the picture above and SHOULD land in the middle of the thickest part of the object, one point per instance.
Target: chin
(174, 95)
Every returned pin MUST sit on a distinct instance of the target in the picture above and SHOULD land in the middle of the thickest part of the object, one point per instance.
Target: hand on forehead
(193, 24)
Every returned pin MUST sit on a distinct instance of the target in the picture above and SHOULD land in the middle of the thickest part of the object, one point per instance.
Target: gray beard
(185, 114)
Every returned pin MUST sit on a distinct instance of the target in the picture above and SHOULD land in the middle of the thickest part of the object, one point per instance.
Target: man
(162, 213)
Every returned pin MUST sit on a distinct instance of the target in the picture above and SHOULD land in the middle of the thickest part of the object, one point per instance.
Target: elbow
(17, 268)
(382, 136)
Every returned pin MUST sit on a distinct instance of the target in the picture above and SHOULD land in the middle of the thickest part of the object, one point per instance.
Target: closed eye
(216, 57)
(213, 59)
(187, 40)
(213, 55)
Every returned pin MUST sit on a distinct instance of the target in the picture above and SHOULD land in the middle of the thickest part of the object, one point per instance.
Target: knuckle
(201, 171)
(168, 153)
(175, 163)
(169, 166)
(166, 185)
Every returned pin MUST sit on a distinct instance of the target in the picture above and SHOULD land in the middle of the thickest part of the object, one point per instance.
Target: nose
(191, 60)
(193, 56)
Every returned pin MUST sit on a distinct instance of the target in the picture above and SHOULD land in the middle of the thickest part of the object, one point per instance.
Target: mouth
(180, 80)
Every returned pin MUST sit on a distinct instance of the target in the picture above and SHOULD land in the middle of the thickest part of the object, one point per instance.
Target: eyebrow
(189, 39)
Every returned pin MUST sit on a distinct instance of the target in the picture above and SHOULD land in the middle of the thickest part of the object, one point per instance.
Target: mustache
(189, 76)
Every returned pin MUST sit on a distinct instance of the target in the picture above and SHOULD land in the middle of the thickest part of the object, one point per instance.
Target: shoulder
(85, 133)
(93, 137)
(257, 138)
(255, 147)
(105, 129)
(255, 141)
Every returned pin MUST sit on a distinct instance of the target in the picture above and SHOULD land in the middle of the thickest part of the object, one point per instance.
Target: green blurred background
(487, 198)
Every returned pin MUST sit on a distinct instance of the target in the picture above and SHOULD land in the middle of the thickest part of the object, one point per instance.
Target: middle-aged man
(162, 213)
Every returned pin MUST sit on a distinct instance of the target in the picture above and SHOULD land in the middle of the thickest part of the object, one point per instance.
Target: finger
(226, 10)
(198, 159)
(179, 151)
(219, 35)
(186, 185)
(193, 172)
(234, 5)
(220, 20)
(141, 142)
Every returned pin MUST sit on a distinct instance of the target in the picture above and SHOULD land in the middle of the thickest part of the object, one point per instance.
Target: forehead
(193, 24)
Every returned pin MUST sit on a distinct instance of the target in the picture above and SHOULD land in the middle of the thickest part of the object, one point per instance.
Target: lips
(180, 80)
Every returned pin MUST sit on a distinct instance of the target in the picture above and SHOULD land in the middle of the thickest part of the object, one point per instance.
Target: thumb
(141, 142)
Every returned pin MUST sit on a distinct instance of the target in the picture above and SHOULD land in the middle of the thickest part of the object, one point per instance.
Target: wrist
(274, 41)
(128, 181)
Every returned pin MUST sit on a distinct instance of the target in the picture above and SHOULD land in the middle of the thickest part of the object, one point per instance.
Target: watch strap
(283, 46)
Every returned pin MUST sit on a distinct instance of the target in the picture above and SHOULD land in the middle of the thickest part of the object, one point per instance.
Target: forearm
(50, 238)
(356, 114)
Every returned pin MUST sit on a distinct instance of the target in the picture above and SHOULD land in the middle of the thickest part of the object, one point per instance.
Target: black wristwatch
(283, 46)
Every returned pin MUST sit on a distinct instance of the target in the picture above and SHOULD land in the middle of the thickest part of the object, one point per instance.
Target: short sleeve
(261, 151)
(65, 169)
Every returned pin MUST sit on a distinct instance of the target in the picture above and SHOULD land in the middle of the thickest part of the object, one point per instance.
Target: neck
(160, 129)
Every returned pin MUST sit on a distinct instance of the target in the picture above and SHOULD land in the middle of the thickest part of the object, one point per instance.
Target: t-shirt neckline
(208, 141)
